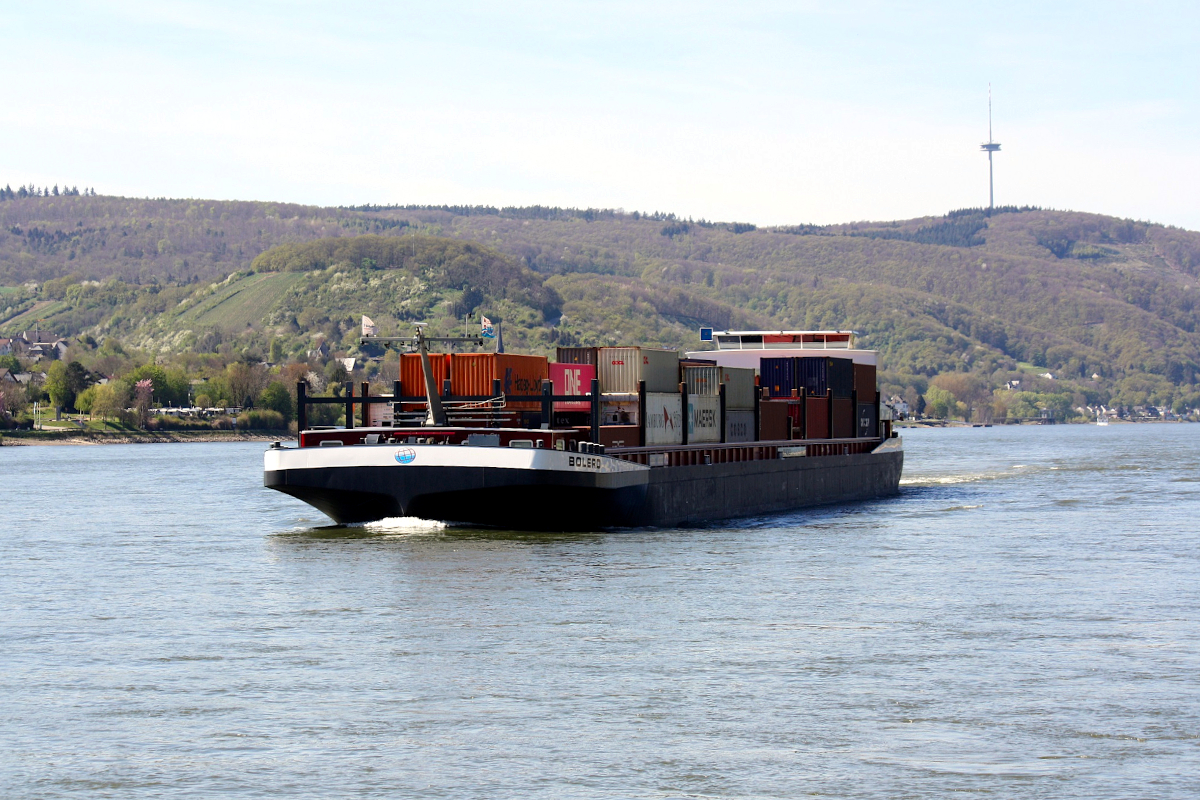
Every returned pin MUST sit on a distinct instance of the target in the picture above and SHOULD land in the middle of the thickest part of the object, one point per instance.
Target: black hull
(552, 500)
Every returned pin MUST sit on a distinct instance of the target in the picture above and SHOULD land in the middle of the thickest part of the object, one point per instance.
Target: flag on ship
(487, 329)
(368, 327)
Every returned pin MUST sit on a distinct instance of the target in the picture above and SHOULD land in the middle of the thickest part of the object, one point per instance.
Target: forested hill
(976, 298)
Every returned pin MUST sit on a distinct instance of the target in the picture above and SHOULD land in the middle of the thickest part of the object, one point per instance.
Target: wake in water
(394, 526)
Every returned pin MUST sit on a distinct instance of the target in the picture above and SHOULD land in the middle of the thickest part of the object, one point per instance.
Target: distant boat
(1101, 419)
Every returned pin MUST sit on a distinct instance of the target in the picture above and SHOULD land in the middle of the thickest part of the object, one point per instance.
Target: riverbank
(23, 438)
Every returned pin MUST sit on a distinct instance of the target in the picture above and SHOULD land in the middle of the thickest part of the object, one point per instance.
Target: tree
(110, 400)
(276, 397)
(58, 386)
(143, 395)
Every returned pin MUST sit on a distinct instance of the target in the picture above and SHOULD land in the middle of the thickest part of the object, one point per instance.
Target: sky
(772, 113)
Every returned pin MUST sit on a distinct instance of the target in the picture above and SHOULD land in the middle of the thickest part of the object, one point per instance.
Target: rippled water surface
(1020, 622)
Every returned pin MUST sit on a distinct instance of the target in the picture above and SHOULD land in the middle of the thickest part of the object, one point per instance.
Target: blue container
(812, 375)
(778, 375)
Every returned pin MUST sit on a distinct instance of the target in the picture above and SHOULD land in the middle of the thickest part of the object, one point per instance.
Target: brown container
(796, 415)
(471, 374)
(620, 436)
(772, 421)
(816, 412)
(576, 355)
(864, 382)
(412, 383)
(843, 419)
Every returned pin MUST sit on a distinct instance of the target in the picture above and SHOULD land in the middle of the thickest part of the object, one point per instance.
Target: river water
(1021, 622)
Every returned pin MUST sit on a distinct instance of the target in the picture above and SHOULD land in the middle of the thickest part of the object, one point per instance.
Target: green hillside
(991, 297)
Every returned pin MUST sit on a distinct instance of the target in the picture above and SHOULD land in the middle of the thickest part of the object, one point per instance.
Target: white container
(621, 368)
(739, 388)
(702, 381)
(704, 420)
(739, 425)
(623, 411)
(664, 418)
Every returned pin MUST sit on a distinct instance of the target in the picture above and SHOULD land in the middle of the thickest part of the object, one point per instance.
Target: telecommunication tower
(990, 147)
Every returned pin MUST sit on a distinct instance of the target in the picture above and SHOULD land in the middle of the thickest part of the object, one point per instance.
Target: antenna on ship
(990, 147)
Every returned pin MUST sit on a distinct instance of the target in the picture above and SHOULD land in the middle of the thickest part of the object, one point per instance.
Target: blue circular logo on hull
(406, 455)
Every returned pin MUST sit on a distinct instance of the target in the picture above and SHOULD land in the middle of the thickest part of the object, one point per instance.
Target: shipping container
(841, 378)
(702, 381)
(868, 423)
(778, 375)
(864, 382)
(772, 420)
(576, 355)
(622, 367)
(620, 436)
(623, 411)
(739, 426)
(816, 418)
(844, 425)
(739, 388)
(572, 379)
(471, 374)
(664, 418)
(812, 375)
(796, 415)
(704, 419)
(411, 381)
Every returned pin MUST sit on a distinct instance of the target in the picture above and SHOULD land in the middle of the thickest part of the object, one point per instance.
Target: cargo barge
(604, 437)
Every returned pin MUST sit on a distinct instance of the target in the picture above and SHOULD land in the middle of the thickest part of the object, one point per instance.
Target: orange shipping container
(412, 383)
(471, 374)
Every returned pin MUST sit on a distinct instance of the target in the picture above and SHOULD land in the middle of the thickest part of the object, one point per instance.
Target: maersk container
(622, 367)
(739, 425)
(844, 426)
(816, 418)
(778, 375)
(703, 419)
(841, 378)
(664, 418)
(576, 355)
(868, 423)
(702, 381)
(572, 379)
(739, 388)
(864, 382)
(812, 375)
(471, 374)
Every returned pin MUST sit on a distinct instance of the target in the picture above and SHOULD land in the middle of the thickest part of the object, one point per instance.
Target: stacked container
(812, 375)
(471, 374)
(739, 404)
(703, 384)
(841, 377)
(572, 378)
(664, 418)
(778, 375)
(816, 415)
(621, 368)
(576, 355)
(844, 426)
(412, 380)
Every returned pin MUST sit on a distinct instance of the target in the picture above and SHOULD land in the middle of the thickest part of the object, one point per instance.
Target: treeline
(8, 193)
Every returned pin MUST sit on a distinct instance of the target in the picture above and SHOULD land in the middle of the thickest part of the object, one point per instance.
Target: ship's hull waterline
(552, 490)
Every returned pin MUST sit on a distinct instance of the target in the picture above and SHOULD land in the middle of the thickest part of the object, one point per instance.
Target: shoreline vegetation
(64, 437)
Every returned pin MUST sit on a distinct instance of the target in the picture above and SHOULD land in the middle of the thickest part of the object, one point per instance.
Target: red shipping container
(572, 379)
(864, 382)
(620, 436)
(843, 419)
(471, 375)
(772, 421)
(817, 417)
(795, 413)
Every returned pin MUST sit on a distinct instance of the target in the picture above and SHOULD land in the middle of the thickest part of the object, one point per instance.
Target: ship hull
(548, 490)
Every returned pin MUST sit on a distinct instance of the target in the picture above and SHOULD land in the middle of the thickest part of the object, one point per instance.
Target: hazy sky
(763, 112)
